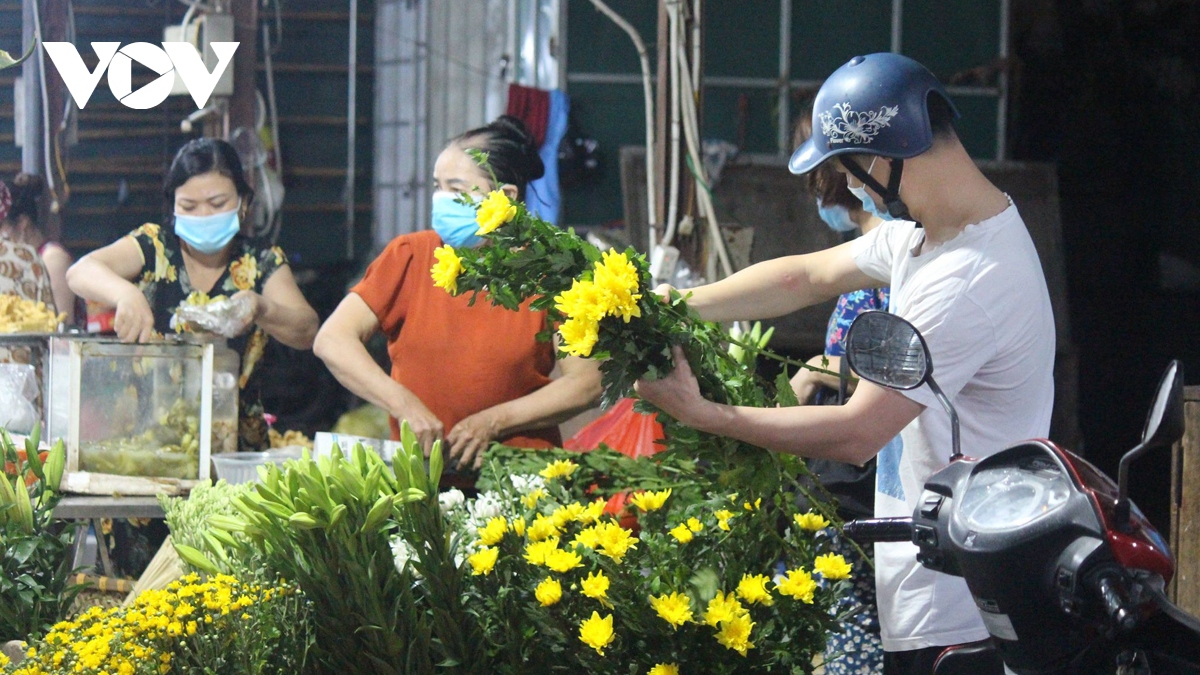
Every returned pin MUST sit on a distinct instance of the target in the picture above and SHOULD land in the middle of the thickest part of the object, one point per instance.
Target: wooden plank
(76, 507)
(1185, 507)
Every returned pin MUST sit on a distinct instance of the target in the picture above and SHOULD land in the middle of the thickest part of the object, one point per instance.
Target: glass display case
(140, 418)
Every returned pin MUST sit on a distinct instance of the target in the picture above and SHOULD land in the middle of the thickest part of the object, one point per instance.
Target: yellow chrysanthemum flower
(735, 634)
(694, 524)
(548, 592)
(562, 468)
(493, 532)
(681, 533)
(650, 501)
(592, 512)
(536, 552)
(561, 561)
(811, 521)
(595, 586)
(583, 301)
(674, 608)
(447, 268)
(753, 507)
(664, 669)
(530, 500)
(484, 560)
(495, 211)
(597, 632)
(753, 589)
(588, 538)
(518, 526)
(723, 607)
(797, 584)
(832, 566)
(542, 528)
(566, 514)
(579, 336)
(617, 278)
(615, 541)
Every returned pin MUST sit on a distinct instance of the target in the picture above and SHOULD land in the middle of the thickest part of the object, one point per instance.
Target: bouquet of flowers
(606, 309)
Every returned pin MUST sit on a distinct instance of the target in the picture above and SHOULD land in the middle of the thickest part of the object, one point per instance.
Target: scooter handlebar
(872, 530)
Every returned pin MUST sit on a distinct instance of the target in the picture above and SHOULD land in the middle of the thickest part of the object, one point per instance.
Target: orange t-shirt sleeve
(383, 287)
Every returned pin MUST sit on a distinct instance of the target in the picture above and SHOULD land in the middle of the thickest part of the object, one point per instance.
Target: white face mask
(867, 202)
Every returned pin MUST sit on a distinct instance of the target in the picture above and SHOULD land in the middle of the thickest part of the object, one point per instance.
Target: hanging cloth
(544, 195)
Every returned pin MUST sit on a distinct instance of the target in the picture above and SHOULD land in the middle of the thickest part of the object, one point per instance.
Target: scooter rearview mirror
(889, 351)
(1164, 426)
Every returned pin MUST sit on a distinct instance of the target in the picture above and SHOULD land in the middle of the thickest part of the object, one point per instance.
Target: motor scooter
(1068, 575)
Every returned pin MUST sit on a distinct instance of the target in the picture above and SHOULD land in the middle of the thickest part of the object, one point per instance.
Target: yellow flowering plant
(195, 625)
(574, 591)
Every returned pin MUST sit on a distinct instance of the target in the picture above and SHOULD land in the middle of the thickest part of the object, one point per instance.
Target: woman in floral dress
(205, 253)
(150, 273)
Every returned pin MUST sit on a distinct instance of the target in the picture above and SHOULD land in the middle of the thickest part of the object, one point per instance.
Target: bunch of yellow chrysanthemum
(612, 291)
(151, 636)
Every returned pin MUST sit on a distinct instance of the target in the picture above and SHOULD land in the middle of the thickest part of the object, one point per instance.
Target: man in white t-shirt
(962, 269)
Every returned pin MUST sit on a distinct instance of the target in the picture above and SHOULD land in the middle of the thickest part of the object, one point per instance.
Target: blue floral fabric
(858, 649)
(849, 306)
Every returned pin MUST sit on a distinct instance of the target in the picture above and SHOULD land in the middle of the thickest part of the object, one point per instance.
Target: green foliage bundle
(35, 560)
(328, 525)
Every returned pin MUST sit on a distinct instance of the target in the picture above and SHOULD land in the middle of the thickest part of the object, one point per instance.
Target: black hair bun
(512, 129)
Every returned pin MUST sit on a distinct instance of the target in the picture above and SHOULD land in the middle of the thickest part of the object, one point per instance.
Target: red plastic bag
(623, 429)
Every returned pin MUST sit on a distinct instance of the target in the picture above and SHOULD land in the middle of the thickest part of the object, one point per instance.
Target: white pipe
(351, 128)
(703, 198)
(673, 167)
(897, 25)
(784, 141)
(697, 55)
(648, 92)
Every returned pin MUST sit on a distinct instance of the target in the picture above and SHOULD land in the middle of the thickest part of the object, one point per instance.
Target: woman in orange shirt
(467, 374)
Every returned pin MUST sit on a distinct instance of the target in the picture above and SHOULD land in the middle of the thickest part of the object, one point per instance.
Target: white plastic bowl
(242, 467)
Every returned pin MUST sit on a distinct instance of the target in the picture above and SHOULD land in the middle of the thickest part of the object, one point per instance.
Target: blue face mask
(837, 217)
(208, 234)
(867, 202)
(454, 221)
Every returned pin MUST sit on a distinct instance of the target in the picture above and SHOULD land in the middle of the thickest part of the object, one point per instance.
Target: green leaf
(7, 61)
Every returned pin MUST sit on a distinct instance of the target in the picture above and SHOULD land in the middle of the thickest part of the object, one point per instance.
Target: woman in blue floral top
(205, 254)
(858, 649)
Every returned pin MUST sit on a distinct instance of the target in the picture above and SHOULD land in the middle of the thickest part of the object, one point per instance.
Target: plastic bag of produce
(227, 317)
(18, 393)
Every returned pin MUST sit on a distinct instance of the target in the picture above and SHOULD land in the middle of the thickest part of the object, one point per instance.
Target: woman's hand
(677, 394)
(134, 321)
(424, 424)
(253, 307)
(471, 437)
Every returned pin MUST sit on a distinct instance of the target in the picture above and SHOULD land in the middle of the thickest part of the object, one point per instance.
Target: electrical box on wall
(200, 32)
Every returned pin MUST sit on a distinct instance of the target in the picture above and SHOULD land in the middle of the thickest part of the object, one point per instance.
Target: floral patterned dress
(164, 281)
(858, 649)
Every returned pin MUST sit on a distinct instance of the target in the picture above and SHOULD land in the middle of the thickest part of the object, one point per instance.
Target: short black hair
(200, 156)
(512, 152)
(941, 116)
